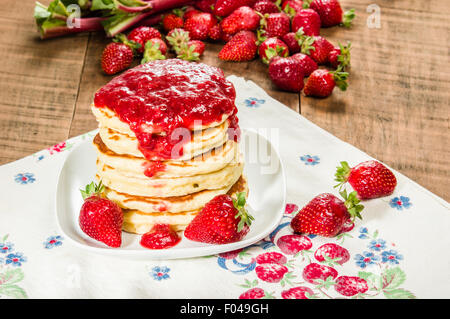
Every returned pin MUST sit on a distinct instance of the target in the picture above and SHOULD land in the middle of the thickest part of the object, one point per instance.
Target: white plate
(263, 169)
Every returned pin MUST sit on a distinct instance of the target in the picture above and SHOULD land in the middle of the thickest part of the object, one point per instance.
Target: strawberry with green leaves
(317, 47)
(369, 179)
(198, 25)
(271, 48)
(308, 20)
(223, 220)
(100, 218)
(243, 18)
(275, 24)
(224, 8)
(265, 6)
(177, 38)
(339, 57)
(291, 7)
(142, 34)
(172, 21)
(155, 49)
(331, 13)
(192, 51)
(241, 47)
(325, 215)
(118, 55)
(322, 82)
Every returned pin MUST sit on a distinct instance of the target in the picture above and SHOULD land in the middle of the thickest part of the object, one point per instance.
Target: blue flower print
(377, 245)
(160, 273)
(24, 178)
(363, 233)
(15, 259)
(366, 259)
(254, 102)
(400, 203)
(310, 160)
(391, 257)
(6, 248)
(53, 241)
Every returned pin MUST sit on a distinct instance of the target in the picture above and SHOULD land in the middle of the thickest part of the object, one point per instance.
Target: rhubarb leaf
(102, 5)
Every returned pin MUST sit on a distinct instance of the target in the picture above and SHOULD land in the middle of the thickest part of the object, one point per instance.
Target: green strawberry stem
(306, 4)
(245, 217)
(344, 57)
(187, 52)
(152, 52)
(348, 18)
(92, 189)
(122, 38)
(340, 78)
(352, 204)
(306, 43)
(271, 53)
(342, 173)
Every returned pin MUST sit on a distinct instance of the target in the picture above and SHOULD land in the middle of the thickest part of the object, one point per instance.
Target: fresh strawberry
(198, 25)
(155, 49)
(99, 217)
(271, 272)
(340, 56)
(161, 236)
(243, 18)
(307, 64)
(189, 12)
(206, 5)
(253, 293)
(225, 37)
(297, 293)
(286, 73)
(349, 285)
(265, 6)
(275, 24)
(142, 34)
(326, 214)
(315, 271)
(330, 13)
(369, 179)
(291, 7)
(293, 244)
(317, 48)
(172, 21)
(271, 258)
(223, 220)
(322, 82)
(307, 19)
(332, 251)
(292, 41)
(241, 47)
(215, 33)
(177, 39)
(271, 48)
(225, 7)
(192, 51)
(117, 56)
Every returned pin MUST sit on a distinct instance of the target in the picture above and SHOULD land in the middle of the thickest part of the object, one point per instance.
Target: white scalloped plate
(265, 203)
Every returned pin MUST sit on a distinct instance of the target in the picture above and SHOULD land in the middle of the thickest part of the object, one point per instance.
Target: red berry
(322, 82)
(286, 73)
(307, 19)
(271, 48)
(172, 21)
(297, 293)
(271, 258)
(253, 293)
(244, 18)
(206, 5)
(241, 47)
(338, 253)
(223, 8)
(291, 7)
(198, 25)
(116, 57)
(331, 14)
(265, 6)
(307, 64)
(315, 271)
(271, 272)
(292, 244)
(275, 24)
(349, 286)
(142, 34)
(215, 33)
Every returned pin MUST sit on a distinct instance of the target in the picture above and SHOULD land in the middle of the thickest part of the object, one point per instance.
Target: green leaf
(5, 237)
(372, 279)
(11, 276)
(398, 294)
(102, 5)
(393, 277)
(13, 291)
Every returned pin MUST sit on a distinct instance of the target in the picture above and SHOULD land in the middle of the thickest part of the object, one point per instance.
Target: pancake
(138, 222)
(175, 204)
(208, 162)
(201, 142)
(108, 118)
(141, 185)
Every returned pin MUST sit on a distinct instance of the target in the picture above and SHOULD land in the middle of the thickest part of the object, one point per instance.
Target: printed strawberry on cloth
(399, 250)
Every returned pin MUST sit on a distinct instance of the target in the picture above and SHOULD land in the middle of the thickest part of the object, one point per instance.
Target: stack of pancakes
(169, 191)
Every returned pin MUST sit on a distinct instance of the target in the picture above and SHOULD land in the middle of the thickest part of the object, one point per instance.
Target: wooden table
(396, 108)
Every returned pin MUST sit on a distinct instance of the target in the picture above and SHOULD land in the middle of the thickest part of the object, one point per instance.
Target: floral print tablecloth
(399, 250)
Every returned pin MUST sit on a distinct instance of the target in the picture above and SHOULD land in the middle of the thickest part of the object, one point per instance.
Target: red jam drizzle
(161, 236)
(163, 95)
(151, 168)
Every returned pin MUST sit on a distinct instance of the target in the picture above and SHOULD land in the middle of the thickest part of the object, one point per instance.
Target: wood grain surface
(397, 107)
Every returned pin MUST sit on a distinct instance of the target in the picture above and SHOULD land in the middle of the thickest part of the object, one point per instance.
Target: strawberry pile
(285, 34)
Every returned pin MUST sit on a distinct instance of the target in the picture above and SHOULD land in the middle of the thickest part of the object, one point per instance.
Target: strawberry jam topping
(158, 97)
(151, 168)
(161, 236)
